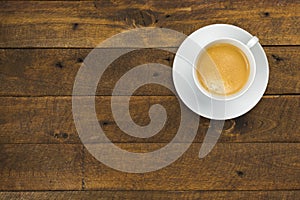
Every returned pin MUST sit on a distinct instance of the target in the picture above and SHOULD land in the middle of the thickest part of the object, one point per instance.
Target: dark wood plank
(86, 24)
(37, 72)
(284, 70)
(136, 195)
(40, 167)
(247, 166)
(50, 120)
(37, 122)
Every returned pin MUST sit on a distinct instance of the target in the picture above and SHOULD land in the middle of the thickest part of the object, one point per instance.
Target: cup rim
(251, 78)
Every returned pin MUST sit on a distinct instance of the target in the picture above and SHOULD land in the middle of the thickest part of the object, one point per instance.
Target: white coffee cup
(245, 48)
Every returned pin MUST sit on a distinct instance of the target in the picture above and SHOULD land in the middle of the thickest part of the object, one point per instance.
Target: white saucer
(191, 95)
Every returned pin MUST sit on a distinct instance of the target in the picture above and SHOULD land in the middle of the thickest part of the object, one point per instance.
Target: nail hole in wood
(75, 26)
(80, 60)
(240, 173)
(59, 65)
(65, 135)
(277, 58)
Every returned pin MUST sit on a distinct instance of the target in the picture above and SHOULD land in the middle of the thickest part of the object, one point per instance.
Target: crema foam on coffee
(222, 69)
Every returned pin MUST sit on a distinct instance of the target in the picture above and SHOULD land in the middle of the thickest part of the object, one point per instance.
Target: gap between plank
(19, 48)
(107, 190)
(54, 96)
(256, 142)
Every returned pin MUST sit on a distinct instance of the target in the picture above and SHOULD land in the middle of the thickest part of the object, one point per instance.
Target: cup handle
(252, 42)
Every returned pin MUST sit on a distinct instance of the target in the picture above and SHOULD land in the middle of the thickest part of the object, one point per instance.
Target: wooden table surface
(43, 44)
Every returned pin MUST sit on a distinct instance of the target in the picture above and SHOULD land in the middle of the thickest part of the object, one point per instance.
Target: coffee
(222, 69)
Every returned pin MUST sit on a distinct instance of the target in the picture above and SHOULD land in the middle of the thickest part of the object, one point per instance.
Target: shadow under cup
(217, 68)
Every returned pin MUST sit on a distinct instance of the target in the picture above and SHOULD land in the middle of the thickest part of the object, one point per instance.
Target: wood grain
(247, 166)
(44, 43)
(86, 24)
(163, 195)
(40, 167)
(233, 166)
(38, 72)
(49, 120)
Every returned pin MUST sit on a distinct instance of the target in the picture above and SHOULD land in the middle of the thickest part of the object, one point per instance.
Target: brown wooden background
(43, 44)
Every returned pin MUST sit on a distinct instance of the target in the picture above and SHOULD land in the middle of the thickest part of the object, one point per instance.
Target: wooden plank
(248, 166)
(284, 70)
(234, 166)
(37, 72)
(136, 195)
(40, 167)
(50, 120)
(86, 24)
